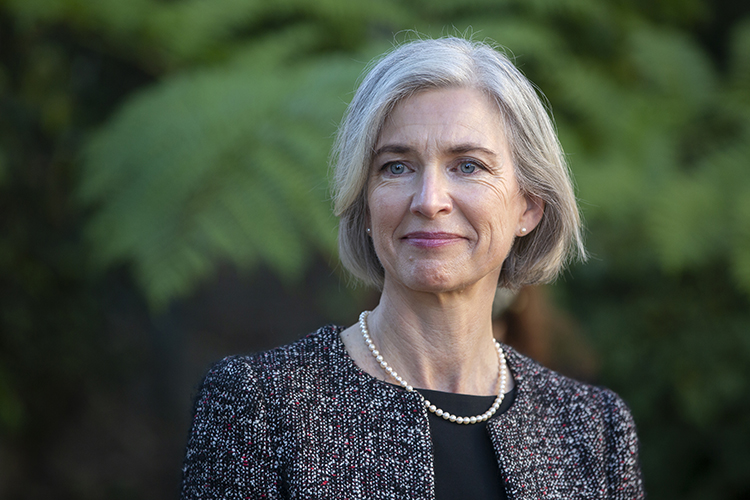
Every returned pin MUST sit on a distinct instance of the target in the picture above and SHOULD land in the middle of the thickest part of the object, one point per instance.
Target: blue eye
(468, 167)
(396, 168)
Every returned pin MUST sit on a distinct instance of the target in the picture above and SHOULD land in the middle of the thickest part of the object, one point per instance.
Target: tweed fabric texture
(303, 421)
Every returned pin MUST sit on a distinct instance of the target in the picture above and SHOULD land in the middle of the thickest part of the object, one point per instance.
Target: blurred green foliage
(170, 137)
(229, 166)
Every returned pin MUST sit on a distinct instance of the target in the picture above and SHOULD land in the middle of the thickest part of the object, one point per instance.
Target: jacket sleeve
(622, 468)
(228, 452)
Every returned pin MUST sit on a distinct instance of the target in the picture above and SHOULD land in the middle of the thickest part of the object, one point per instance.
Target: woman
(448, 181)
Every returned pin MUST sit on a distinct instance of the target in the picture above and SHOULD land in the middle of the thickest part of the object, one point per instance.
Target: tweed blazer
(303, 421)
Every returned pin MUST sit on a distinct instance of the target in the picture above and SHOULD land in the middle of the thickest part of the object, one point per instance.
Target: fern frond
(217, 164)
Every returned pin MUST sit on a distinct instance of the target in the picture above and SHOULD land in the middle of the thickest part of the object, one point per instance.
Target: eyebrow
(457, 149)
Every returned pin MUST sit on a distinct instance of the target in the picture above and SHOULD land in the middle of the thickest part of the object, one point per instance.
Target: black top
(465, 462)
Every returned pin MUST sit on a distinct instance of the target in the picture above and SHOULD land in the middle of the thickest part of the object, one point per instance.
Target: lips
(429, 239)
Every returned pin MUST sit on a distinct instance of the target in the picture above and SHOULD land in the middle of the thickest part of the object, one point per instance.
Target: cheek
(494, 217)
(506, 202)
(382, 207)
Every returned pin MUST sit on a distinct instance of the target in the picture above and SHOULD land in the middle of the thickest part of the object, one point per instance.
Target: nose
(432, 195)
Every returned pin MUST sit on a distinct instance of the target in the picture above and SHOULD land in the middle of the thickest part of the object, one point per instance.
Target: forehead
(444, 116)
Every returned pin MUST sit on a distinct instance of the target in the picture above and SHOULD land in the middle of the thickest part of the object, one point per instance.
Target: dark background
(163, 203)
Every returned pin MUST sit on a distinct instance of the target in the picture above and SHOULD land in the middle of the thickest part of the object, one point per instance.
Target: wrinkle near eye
(499, 187)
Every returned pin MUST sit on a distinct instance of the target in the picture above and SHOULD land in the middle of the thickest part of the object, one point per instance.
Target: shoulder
(547, 388)
(546, 384)
(316, 346)
(238, 373)
(589, 430)
(238, 415)
(263, 377)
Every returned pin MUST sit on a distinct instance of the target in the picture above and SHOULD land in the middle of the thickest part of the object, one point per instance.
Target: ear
(531, 216)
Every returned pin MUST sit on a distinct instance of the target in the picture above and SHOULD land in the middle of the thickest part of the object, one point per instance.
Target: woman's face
(444, 204)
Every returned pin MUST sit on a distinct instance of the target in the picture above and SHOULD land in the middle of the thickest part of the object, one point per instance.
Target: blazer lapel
(532, 440)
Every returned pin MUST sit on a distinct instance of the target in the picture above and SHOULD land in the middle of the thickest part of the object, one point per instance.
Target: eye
(396, 168)
(467, 167)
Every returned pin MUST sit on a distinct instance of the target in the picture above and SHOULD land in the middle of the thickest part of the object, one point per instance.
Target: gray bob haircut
(538, 159)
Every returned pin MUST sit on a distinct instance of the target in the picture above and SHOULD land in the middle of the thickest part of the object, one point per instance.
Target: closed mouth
(431, 239)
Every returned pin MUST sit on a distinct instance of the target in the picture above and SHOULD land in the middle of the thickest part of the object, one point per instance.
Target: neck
(438, 341)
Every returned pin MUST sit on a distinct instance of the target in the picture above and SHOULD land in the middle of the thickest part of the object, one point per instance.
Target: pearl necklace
(502, 377)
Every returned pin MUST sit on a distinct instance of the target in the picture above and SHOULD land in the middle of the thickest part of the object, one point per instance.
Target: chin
(432, 287)
(441, 277)
(434, 281)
